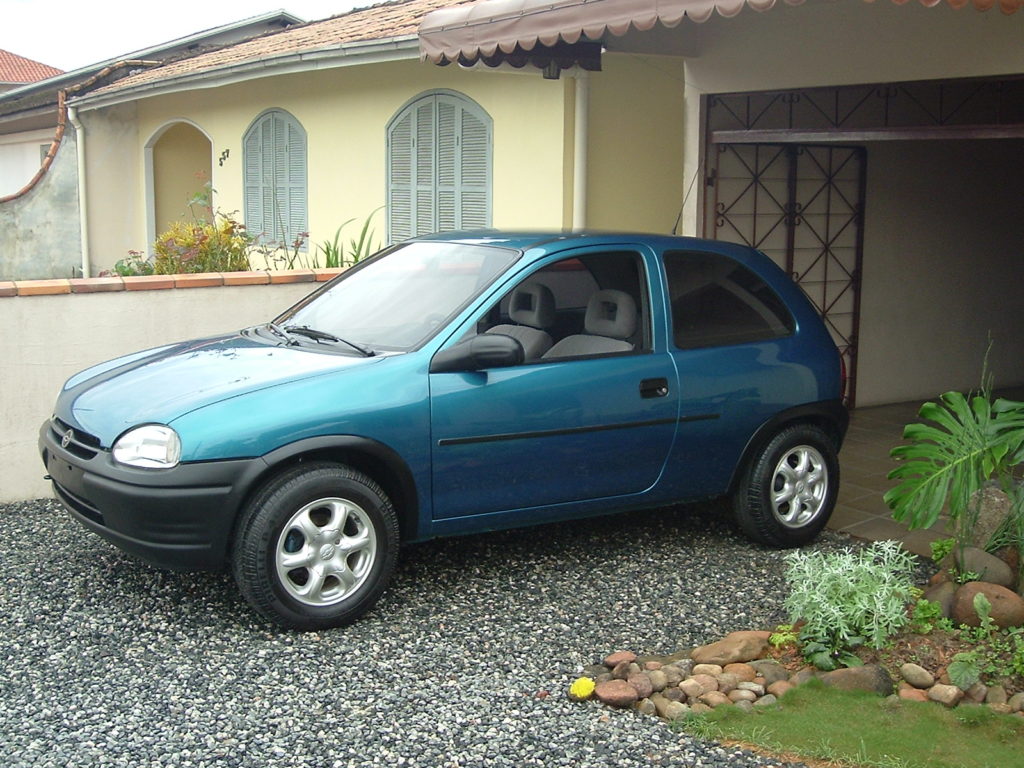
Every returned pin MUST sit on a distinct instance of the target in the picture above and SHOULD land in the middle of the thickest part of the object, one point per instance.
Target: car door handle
(654, 388)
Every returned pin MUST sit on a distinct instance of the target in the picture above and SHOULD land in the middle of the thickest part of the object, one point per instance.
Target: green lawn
(864, 730)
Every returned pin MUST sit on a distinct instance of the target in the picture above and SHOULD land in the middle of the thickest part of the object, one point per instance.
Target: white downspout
(579, 160)
(83, 206)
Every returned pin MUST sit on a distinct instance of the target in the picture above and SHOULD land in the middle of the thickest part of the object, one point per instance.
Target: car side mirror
(488, 350)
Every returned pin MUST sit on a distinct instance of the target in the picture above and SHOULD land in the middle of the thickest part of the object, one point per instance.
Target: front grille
(80, 443)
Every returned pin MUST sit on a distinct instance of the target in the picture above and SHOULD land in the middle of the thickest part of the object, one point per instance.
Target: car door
(562, 428)
(732, 341)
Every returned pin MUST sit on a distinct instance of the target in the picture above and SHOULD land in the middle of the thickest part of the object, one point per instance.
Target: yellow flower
(581, 689)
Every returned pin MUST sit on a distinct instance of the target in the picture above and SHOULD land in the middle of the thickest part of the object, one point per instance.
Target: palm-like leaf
(947, 463)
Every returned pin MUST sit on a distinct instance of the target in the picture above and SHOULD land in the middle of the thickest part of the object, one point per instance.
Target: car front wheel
(788, 491)
(316, 547)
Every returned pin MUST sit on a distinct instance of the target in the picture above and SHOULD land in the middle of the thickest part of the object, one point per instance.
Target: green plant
(135, 263)
(974, 440)
(359, 247)
(925, 617)
(286, 256)
(200, 246)
(783, 635)
(963, 577)
(847, 598)
(941, 548)
(965, 669)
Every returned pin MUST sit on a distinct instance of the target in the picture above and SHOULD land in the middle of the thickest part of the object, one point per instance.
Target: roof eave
(347, 54)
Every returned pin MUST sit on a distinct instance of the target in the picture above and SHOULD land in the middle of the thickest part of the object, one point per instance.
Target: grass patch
(861, 729)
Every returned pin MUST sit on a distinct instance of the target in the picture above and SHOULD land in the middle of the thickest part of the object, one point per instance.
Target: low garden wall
(51, 329)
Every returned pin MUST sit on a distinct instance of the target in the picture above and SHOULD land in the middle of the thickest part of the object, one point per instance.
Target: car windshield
(396, 301)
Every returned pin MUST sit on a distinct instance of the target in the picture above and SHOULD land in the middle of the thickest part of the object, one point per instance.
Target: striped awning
(481, 30)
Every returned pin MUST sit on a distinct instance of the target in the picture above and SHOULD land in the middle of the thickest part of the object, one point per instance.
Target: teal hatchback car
(454, 384)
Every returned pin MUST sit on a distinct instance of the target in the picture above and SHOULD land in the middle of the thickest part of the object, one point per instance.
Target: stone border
(11, 289)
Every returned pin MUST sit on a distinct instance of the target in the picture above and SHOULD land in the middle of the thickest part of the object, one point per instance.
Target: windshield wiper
(313, 333)
(279, 331)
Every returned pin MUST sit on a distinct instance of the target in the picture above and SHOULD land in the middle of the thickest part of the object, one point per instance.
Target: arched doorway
(181, 166)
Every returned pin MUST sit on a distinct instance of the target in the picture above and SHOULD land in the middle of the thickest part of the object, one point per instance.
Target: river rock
(642, 684)
(949, 695)
(659, 680)
(743, 672)
(770, 670)
(917, 676)
(942, 593)
(616, 693)
(1007, 607)
(618, 657)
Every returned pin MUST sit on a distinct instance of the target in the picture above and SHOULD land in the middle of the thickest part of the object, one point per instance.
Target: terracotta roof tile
(18, 69)
(379, 22)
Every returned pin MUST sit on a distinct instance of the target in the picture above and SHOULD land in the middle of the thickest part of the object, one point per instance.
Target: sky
(69, 34)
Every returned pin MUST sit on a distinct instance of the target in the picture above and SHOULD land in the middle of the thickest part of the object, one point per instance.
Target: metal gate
(803, 205)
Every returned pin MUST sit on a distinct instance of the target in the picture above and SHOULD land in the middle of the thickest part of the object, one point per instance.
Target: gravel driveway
(465, 661)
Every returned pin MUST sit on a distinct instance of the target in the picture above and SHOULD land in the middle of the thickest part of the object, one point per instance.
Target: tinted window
(717, 301)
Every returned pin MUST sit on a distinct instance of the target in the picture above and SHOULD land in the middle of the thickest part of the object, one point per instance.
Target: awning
(481, 30)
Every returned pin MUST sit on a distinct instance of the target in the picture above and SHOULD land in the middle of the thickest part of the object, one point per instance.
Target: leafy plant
(849, 597)
(941, 548)
(285, 256)
(965, 669)
(974, 440)
(135, 263)
(359, 247)
(926, 617)
(200, 246)
(783, 635)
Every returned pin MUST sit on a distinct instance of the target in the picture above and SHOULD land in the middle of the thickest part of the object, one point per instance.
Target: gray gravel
(465, 661)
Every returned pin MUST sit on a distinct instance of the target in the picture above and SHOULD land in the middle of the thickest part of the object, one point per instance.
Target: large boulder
(987, 567)
(994, 507)
(871, 677)
(736, 647)
(1007, 607)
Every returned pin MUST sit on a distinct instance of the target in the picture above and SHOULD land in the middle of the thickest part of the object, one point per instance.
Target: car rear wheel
(316, 547)
(788, 491)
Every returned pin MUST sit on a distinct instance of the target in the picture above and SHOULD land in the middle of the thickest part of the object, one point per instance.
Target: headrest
(532, 304)
(611, 313)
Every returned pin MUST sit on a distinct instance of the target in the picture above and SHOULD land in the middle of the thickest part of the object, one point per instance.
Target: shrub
(847, 598)
(201, 246)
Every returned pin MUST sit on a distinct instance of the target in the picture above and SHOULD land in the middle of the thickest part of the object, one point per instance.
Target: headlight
(151, 447)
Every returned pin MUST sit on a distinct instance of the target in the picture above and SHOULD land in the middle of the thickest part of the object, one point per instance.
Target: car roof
(549, 240)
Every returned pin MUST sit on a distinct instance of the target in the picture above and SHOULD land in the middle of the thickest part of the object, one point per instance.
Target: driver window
(576, 307)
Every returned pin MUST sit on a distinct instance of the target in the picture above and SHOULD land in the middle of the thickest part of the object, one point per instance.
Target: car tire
(316, 547)
(789, 489)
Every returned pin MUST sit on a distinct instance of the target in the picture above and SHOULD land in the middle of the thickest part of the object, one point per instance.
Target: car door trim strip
(559, 432)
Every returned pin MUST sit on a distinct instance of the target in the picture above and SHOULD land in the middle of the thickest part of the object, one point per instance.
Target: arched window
(439, 166)
(275, 178)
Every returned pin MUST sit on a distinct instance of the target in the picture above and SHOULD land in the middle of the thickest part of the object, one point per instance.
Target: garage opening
(897, 209)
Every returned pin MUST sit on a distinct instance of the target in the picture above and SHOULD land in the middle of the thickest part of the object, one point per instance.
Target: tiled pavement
(864, 463)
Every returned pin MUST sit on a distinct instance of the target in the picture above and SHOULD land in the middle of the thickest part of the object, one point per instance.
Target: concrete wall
(39, 231)
(345, 112)
(943, 268)
(49, 338)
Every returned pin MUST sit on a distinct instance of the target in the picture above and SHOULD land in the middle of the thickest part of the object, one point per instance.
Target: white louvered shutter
(275, 179)
(439, 167)
(400, 157)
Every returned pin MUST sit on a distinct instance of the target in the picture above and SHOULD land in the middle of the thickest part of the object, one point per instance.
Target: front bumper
(179, 518)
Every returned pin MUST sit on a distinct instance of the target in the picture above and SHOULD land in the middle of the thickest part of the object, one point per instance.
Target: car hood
(160, 385)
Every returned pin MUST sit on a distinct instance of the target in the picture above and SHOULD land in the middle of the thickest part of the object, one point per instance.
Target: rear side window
(717, 301)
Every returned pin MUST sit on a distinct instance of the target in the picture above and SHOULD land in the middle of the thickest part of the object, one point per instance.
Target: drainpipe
(83, 206)
(579, 160)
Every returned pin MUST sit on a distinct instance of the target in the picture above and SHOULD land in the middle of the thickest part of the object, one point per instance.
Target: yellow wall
(182, 165)
(635, 147)
(345, 112)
